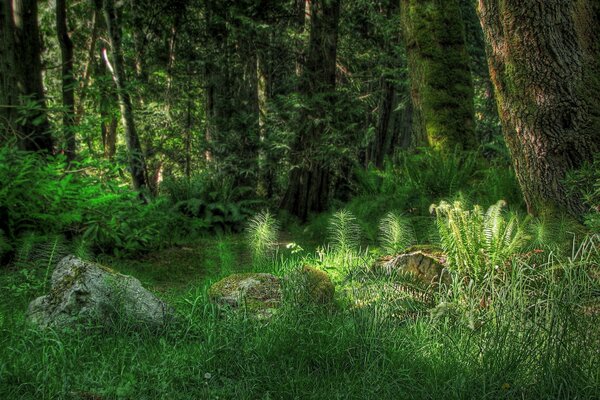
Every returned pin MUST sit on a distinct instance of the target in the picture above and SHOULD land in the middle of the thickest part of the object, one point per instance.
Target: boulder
(258, 293)
(312, 286)
(425, 265)
(88, 293)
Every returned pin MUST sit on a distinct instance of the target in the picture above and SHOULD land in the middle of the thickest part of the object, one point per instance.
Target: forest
(299, 199)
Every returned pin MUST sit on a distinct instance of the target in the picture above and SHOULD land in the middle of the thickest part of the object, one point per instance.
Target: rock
(313, 286)
(89, 293)
(425, 265)
(258, 293)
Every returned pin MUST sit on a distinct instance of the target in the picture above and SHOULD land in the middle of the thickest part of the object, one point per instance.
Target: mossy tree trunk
(438, 65)
(544, 60)
(309, 180)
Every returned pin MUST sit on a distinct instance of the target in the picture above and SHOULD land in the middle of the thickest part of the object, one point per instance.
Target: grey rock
(89, 293)
(425, 266)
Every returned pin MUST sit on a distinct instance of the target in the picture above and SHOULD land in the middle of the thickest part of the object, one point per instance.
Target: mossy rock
(87, 293)
(318, 284)
(257, 293)
(311, 285)
(425, 264)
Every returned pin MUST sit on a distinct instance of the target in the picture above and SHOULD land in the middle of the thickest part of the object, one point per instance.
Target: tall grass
(534, 335)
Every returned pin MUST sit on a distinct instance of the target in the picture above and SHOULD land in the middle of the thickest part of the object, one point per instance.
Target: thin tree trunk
(87, 70)
(137, 163)
(68, 80)
(544, 59)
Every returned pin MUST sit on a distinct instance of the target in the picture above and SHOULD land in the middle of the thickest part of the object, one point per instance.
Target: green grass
(531, 340)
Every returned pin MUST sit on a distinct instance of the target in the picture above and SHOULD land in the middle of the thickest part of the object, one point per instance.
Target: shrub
(211, 201)
(475, 242)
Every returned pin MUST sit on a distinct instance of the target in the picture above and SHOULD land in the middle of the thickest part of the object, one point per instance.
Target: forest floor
(341, 352)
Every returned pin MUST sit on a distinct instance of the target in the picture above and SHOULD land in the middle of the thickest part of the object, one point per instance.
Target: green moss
(319, 287)
(264, 294)
(442, 88)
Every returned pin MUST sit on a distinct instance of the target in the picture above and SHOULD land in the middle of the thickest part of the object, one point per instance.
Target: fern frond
(343, 230)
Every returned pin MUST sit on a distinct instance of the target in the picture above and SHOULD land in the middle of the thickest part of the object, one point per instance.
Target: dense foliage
(183, 141)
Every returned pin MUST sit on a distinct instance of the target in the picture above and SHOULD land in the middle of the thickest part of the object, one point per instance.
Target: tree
(231, 105)
(544, 60)
(137, 163)
(23, 98)
(438, 65)
(68, 79)
(308, 186)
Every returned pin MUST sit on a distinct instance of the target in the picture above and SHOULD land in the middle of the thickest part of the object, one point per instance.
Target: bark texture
(22, 88)
(137, 164)
(438, 65)
(68, 79)
(308, 187)
(231, 102)
(544, 60)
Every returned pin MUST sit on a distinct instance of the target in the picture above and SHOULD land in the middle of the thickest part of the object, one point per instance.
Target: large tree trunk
(9, 97)
(438, 65)
(308, 187)
(544, 60)
(22, 75)
(68, 79)
(137, 162)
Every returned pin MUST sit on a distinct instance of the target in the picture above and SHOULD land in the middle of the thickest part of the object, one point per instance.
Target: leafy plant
(212, 201)
(395, 233)
(586, 183)
(477, 242)
(344, 232)
(262, 232)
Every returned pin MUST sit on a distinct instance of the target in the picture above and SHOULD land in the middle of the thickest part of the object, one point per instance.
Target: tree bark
(438, 65)
(544, 60)
(22, 86)
(308, 186)
(9, 97)
(90, 62)
(137, 162)
(68, 79)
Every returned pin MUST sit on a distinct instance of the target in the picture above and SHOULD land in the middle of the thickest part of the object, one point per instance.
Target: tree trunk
(308, 186)
(22, 76)
(90, 62)
(438, 65)
(68, 80)
(9, 97)
(137, 162)
(544, 60)
(384, 130)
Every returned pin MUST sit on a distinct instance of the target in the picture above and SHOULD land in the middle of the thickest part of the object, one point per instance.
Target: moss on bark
(438, 64)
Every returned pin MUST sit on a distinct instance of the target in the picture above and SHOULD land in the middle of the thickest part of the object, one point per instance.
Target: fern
(476, 243)
(262, 233)
(344, 232)
(395, 233)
